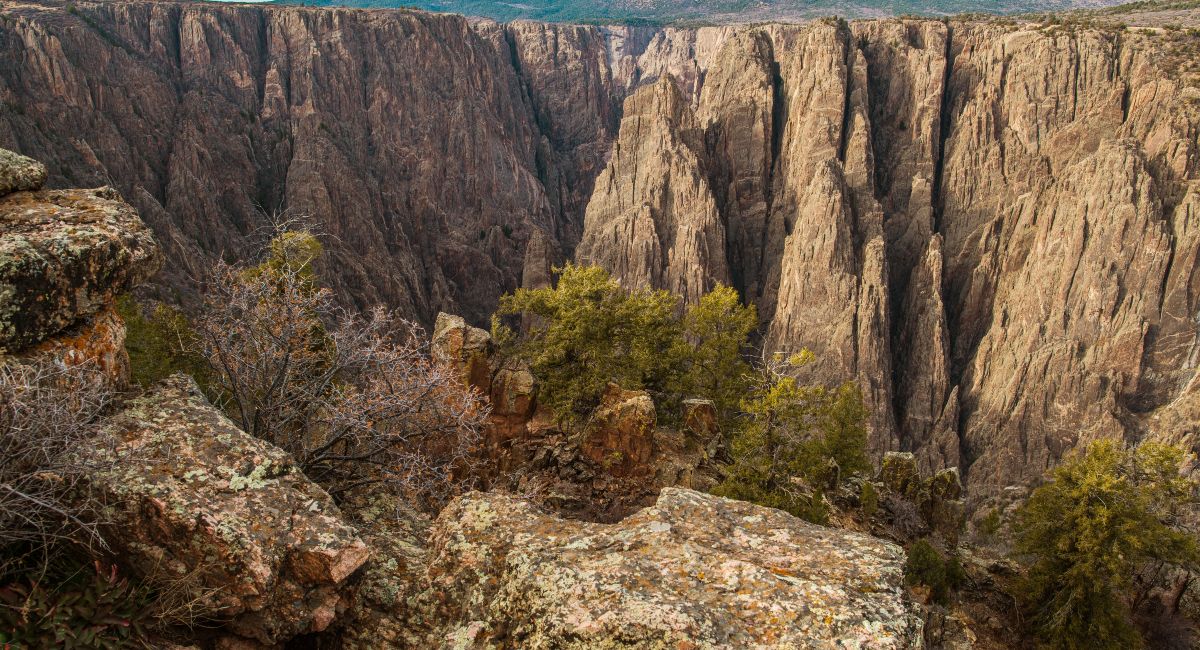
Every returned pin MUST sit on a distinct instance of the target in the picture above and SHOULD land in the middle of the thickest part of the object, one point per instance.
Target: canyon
(992, 226)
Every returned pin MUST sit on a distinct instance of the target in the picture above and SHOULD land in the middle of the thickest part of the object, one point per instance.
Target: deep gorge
(992, 227)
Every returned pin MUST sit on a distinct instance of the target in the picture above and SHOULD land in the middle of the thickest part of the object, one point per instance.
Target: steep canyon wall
(992, 227)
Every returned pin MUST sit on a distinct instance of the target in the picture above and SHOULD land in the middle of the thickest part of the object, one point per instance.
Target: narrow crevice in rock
(945, 121)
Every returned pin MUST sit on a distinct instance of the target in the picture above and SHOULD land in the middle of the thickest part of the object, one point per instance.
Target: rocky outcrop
(691, 571)
(19, 173)
(601, 469)
(938, 197)
(384, 608)
(619, 435)
(218, 519)
(64, 257)
(192, 495)
(927, 409)
(736, 111)
(918, 503)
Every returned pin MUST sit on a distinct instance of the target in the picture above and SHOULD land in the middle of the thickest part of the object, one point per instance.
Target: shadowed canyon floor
(992, 226)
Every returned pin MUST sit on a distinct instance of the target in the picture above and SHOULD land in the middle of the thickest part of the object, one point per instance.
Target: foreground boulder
(191, 494)
(19, 173)
(64, 256)
(693, 571)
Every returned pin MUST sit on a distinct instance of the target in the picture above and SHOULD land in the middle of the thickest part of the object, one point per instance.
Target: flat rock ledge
(693, 571)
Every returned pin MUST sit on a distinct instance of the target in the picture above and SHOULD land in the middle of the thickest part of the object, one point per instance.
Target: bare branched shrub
(47, 412)
(355, 399)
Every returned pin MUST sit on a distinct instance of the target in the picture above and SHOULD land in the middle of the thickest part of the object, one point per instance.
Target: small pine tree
(793, 441)
(927, 567)
(587, 331)
(1102, 515)
(716, 330)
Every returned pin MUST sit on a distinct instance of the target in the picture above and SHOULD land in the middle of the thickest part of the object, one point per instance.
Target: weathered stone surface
(467, 349)
(928, 407)
(64, 256)
(98, 341)
(192, 494)
(692, 571)
(19, 173)
(619, 435)
(921, 503)
(1078, 332)
(653, 220)
(736, 110)
(385, 610)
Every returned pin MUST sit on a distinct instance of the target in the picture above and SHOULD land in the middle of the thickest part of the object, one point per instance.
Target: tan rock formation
(691, 571)
(191, 494)
(653, 220)
(467, 349)
(64, 256)
(928, 416)
(1079, 331)
(736, 111)
(619, 435)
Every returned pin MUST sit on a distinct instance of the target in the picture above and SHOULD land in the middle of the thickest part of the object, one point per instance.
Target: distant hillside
(715, 11)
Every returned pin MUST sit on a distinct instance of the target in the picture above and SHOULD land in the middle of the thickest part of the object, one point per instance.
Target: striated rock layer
(985, 225)
(989, 226)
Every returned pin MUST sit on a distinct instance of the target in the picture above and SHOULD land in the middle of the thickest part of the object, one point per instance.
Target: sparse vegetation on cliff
(587, 331)
(796, 441)
(1105, 515)
(789, 442)
(354, 398)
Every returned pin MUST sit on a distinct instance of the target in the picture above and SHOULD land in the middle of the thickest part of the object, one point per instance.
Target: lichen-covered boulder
(191, 494)
(64, 255)
(18, 173)
(619, 435)
(693, 571)
(383, 610)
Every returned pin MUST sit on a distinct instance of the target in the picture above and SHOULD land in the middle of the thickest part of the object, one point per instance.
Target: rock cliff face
(991, 227)
(984, 225)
